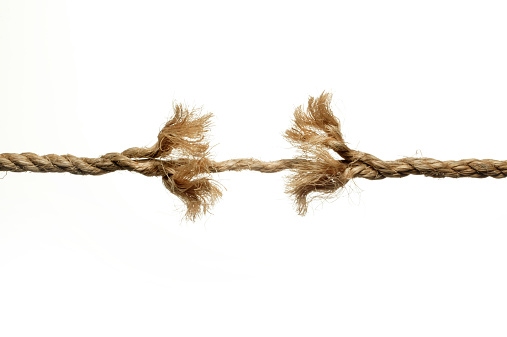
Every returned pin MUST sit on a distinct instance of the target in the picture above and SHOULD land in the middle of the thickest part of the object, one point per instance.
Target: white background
(110, 256)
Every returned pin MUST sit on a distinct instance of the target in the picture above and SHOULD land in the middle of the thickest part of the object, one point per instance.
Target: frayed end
(316, 126)
(184, 137)
(315, 131)
(184, 133)
(192, 184)
(319, 177)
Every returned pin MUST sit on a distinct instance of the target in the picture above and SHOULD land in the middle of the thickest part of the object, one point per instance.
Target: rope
(372, 170)
(181, 158)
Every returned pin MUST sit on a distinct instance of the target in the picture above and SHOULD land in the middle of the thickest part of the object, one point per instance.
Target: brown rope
(112, 162)
(180, 157)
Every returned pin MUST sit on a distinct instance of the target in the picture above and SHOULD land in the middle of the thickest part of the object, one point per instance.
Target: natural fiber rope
(315, 132)
(373, 169)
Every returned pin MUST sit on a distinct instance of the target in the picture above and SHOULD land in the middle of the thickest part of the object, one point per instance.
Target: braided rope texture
(181, 157)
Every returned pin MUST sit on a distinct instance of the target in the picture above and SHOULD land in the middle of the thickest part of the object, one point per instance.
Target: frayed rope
(181, 157)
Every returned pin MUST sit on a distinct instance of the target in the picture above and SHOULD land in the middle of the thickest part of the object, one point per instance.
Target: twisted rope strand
(111, 162)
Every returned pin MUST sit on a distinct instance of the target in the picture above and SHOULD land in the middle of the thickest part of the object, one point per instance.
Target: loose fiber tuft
(192, 184)
(184, 137)
(184, 133)
(314, 131)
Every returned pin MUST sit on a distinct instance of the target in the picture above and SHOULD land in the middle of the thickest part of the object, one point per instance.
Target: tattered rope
(181, 158)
